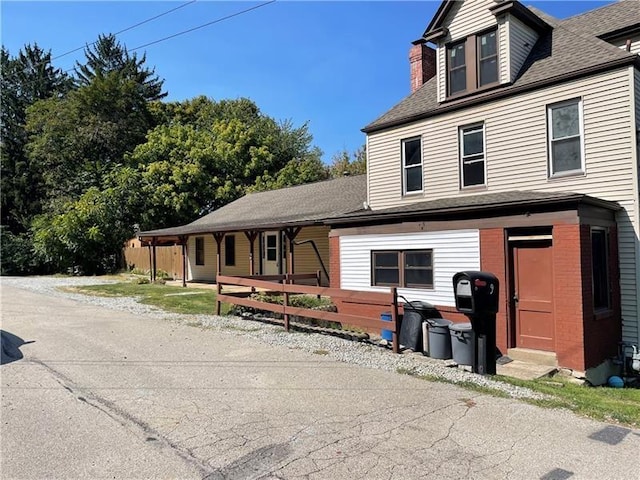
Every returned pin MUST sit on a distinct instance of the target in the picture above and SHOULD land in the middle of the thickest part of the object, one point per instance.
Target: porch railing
(286, 287)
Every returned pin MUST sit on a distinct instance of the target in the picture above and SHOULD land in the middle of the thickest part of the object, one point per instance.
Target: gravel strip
(367, 354)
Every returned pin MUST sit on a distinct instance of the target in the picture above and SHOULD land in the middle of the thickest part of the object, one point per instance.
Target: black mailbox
(476, 293)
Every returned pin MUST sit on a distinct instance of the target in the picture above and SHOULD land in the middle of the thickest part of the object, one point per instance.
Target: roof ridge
(578, 15)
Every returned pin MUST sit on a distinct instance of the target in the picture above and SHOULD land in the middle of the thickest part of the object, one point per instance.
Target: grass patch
(172, 299)
(620, 405)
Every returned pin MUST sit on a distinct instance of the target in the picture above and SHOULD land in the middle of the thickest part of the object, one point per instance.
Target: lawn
(169, 298)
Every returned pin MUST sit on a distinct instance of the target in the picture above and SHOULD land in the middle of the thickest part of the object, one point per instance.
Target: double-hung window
(199, 250)
(472, 156)
(600, 268)
(565, 134)
(457, 68)
(487, 50)
(412, 165)
(402, 268)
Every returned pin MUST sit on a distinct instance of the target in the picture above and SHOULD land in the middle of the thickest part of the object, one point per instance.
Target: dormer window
(472, 63)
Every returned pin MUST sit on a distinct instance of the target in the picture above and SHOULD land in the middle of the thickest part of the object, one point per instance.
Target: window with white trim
(472, 156)
(402, 268)
(412, 165)
(565, 134)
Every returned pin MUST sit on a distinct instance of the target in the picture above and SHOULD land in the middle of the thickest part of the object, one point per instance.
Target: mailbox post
(476, 295)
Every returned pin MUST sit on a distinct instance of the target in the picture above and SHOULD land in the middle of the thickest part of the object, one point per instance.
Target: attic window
(472, 63)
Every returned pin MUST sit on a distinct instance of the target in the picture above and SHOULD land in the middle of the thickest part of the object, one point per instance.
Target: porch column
(251, 236)
(291, 233)
(183, 242)
(155, 260)
(218, 236)
(150, 263)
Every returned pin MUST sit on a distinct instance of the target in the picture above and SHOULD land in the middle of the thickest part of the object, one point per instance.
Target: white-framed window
(412, 165)
(472, 156)
(566, 138)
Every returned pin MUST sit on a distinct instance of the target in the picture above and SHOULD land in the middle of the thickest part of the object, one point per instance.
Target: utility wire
(126, 29)
(221, 19)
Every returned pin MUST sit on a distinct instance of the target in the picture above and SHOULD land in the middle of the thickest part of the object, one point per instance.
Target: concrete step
(536, 357)
(523, 370)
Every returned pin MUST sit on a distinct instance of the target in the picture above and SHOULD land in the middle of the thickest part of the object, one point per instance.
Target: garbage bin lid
(439, 322)
(460, 327)
(419, 305)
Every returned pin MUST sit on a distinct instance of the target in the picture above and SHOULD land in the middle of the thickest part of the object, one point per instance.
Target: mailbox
(476, 293)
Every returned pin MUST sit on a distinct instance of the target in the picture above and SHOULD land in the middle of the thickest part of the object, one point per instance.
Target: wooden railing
(286, 287)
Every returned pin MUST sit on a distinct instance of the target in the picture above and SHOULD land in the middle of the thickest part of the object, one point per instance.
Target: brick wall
(422, 61)
(492, 259)
(334, 262)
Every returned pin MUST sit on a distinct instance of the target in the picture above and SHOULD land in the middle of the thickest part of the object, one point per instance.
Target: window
(409, 268)
(472, 63)
(199, 250)
(230, 250)
(272, 248)
(487, 49)
(600, 268)
(412, 165)
(472, 158)
(565, 138)
(457, 68)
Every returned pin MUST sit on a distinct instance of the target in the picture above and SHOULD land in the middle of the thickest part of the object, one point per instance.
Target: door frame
(263, 250)
(514, 238)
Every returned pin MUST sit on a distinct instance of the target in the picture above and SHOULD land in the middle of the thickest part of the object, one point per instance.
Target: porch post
(291, 233)
(218, 236)
(183, 241)
(251, 236)
(150, 263)
(155, 260)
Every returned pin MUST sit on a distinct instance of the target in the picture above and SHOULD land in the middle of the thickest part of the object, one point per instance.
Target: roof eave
(504, 93)
(521, 13)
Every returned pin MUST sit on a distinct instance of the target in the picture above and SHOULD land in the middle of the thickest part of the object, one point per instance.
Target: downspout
(315, 249)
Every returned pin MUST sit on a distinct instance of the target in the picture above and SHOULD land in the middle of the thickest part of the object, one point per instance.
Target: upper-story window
(564, 131)
(472, 63)
(472, 156)
(412, 165)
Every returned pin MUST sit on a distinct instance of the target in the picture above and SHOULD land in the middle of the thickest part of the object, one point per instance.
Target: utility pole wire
(126, 29)
(221, 19)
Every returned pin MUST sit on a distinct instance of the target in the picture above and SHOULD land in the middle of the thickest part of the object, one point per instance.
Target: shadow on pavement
(11, 347)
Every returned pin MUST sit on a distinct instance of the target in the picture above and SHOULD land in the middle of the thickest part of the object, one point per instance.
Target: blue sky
(337, 65)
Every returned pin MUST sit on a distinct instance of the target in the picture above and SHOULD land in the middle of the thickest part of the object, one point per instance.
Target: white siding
(503, 50)
(453, 251)
(516, 155)
(521, 40)
(635, 44)
(469, 17)
(441, 70)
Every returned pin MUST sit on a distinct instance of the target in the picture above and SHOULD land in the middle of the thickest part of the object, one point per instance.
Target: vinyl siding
(453, 251)
(516, 155)
(635, 44)
(521, 40)
(503, 50)
(207, 272)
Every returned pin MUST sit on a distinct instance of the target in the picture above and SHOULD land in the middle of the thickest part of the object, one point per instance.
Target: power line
(221, 19)
(126, 29)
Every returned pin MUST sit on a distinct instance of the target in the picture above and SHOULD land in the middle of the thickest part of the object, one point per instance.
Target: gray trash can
(462, 343)
(439, 338)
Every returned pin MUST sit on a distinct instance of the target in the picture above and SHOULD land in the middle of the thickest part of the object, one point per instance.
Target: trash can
(415, 314)
(386, 334)
(439, 338)
(462, 343)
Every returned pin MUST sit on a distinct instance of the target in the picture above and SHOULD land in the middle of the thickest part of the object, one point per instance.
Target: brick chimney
(423, 65)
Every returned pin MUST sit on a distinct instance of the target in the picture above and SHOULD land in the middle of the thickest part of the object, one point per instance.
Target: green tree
(344, 163)
(24, 80)
(107, 56)
(296, 172)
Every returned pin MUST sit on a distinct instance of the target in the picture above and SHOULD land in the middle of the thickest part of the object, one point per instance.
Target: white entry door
(271, 253)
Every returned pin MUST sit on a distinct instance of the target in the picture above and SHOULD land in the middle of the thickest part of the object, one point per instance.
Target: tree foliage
(344, 163)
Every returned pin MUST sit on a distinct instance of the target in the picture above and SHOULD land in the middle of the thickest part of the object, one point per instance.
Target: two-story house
(517, 153)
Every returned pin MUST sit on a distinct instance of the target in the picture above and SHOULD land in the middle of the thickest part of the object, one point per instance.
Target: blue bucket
(386, 334)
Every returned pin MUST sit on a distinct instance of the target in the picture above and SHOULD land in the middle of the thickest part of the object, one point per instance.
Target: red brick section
(422, 60)
(602, 331)
(334, 262)
(492, 259)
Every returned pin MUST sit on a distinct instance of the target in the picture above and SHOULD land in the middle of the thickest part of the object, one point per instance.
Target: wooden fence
(168, 259)
(287, 287)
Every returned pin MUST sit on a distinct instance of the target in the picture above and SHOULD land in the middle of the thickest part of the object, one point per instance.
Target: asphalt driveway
(100, 393)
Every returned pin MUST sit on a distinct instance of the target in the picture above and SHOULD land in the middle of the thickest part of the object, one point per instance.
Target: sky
(336, 65)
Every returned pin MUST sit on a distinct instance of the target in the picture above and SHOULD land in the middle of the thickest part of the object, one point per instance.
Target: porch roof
(302, 205)
(477, 205)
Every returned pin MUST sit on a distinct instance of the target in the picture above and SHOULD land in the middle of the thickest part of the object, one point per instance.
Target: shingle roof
(300, 205)
(610, 18)
(559, 54)
(476, 203)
